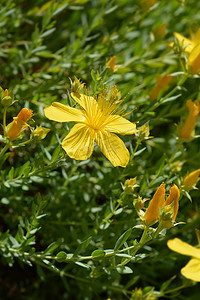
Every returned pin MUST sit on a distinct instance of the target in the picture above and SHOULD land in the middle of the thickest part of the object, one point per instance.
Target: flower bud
(190, 180)
(14, 129)
(162, 83)
(152, 213)
(6, 97)
(76, 85)
(185, 133)
(40, 132)
(170, 208)
(111, 64)
(129, 186)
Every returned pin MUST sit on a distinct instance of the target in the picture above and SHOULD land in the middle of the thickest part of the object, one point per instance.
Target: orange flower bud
(162, 83)
(173, 198)
(19, 122)
(191, 179)
(186, 131)
(152, 213)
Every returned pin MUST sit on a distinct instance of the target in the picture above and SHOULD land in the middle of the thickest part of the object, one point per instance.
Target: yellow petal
(187, 44)
(197, 37)
(85, 101)
(79, 143)
(113, 148)
(194, 59)
(192, 270)
(62, 113)
(181, 247)
(120, 125)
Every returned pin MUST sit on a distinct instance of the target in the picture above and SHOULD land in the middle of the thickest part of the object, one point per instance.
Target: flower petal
(192, 270)
(120, 125)
(79, 143)
(113, 148)
(181, 247)
(62, 113)
(187, 44)
(85, 101)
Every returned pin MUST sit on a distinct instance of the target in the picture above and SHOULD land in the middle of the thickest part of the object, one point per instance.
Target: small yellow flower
(18, 123)
(192, 269)
(190, 180)
(187, 44)
(185, 133)
(162, 83)
(96, 120)
(111, 64)
(161, 210)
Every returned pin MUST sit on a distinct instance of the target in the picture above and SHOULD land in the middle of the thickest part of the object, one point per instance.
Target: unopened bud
(40, 132)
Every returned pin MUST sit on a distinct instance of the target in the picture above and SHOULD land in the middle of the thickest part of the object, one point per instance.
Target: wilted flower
(14, 129)
(192, 269)
(190, 180)
(161, 210)
(185, 133)
(97, 119)
(162, 83)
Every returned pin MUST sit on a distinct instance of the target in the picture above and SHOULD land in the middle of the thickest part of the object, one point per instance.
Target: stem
(4, 149)
(4, 119)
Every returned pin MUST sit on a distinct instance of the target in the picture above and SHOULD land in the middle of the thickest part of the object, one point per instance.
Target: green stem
(4, 149)
(4, 120)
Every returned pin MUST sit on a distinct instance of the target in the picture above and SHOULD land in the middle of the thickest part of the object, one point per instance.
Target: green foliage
(67, 227)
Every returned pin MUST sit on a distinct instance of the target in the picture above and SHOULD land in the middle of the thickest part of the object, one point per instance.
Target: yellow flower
(161, 210)
(193, 63)
(190, 180)
(96, 120)
(18, 123)
(162, 83)
(192, 269)
(186, 131)
(188, 44)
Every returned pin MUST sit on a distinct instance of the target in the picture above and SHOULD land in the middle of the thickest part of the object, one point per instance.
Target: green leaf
(122, 239)
(98, 254)
(82, 246)
(50, 249)
(124, 270)
(61, 256)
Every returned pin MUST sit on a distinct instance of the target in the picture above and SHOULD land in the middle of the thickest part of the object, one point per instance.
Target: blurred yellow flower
(161, 210)
(96, 120)
(192, 269)
(111, 64)
(190, 180)
(162, 82)
(185, 133)
(187, 44)
(18, 123)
